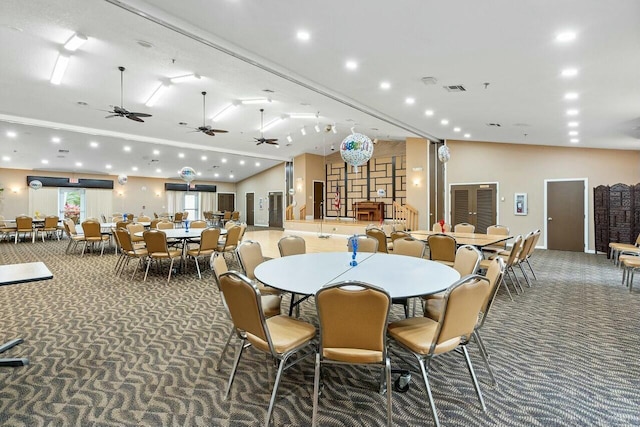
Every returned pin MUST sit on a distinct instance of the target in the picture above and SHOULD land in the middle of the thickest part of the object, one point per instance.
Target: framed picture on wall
(520, 204)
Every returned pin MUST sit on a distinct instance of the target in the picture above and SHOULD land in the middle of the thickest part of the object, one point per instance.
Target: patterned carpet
(107, 351)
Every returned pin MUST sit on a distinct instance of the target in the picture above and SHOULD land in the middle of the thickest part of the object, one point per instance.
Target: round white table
(181, 233)
(401, 276)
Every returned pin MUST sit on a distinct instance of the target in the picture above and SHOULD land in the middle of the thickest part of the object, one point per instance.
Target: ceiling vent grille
(63, 151)
(455, 88)
(494, 125)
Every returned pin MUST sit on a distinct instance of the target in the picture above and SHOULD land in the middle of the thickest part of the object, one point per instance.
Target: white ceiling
(242, 47)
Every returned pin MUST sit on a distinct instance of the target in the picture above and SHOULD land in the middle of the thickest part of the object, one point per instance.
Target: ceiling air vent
(494, 125)
(455, 88)
(63, 151)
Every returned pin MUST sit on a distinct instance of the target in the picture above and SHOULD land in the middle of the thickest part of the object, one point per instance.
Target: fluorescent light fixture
(385, 85)
(272, 123)
(75, 42)
(185, 78)
(351, 65)
(428, 113)
(303, 35)
(410, 101)
(572, 112)
(289, 139)
(569, 72)
(317, 128)
(303, 131)
(226, 110)
(302, 115)
(467, 135)
(255, 101)
(156, 95)
(11, 134)
(59, 69)
(573, 124)
(571, 96)
(566, 36)
(444, 122)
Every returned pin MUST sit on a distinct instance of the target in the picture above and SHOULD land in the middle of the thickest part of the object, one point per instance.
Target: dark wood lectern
(368, 211)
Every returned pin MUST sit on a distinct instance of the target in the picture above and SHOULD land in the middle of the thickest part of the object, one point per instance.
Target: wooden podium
(368, 211)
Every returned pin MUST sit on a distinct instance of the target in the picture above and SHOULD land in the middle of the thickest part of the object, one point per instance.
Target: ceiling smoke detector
(455, 88)
(429, 80)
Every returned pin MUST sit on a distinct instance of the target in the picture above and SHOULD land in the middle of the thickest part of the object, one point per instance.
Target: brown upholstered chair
(280, 336)
(154, 223)
(408, 246)
(464, 227)
(438, 228)
(230, 241)
(379, 235)
(208, 245)
(629, 263)
(50, 226)
(292, 245)
(74, 237)
(198, 224)
(92, 235)
(129, 251)
(467, 260)
(496, 230)
(365, 243)
(226, 217)
(442, 248)
(509, 262)
(398, 234)
(235, 216)
(426, 338)
(617, 247)
(177, 219)
(524, 257)
(250, 256)
(158, 249)
(356, 336)
(144, 218)
(135, 227)
(164, 225)
(24, 225)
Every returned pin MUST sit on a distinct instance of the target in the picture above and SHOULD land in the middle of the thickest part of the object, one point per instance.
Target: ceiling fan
(121, 111)
(262, 139)
(207, 129)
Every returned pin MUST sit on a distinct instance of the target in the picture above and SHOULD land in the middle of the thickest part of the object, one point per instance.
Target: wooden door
(250, 208)
(226, 202)
(565, 215)
(275, 210)
(318, 200)
(474, 204)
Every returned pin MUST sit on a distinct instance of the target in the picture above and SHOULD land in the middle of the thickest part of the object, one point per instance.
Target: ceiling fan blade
(259, 142)
(209, 132)
(134, 118)
(110, 116)
(219, 130)
(140, 114)
(271, 140)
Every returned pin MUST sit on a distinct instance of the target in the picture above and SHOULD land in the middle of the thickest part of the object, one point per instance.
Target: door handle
(549, 219)
(470, 213)
(475, 213)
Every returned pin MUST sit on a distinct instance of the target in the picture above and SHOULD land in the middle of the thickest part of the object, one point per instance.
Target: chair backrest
(379, 235)
(164, 225)
(527, 243)
(154, 222)
(250, 256)
(24, 222)
(461, 307)
(177, 217)
(124, 239)
(129, 217)
(229, 224)
(464, 227)
(409, 246)
(515, 251)
(134, 227)
(51, 221)
(185, 215)
(209, 239)
(353, 317)
(495, 272)
(243, 228)
(91, 228)
(233, 237)
(71, 226)
(155, 241)
(536, 237)
(245, 307)
(144, 218)
(226, 216)
(292, 245)
(467, 260)
(442, 247)
(438, 229)
(219, 266)
(497, 229)
(365, 243)
(122, 224)
(235, 216)
(198, 224)
(116, 218)
(398, 234)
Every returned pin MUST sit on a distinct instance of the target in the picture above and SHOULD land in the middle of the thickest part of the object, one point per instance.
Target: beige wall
(138, 195)
(418, 180)
(306, 169)
(523, 169)
(271, 180)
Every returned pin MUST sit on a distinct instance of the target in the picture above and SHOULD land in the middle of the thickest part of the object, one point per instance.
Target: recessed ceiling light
(303, 131)
(158, 170)
(127, 148)
(456, 129)
(573, 124)
(203, 158)
(289, 138)
(241, 162)
(351, 65)
(574, 140)
(385, 85)
(93, 144)
(156, 152)
(569, 72)
(573, 133)
(566, 36)
(410, 101)
(317, 128)
(135, 168)
(428, 113)
(230, 175)
(444, 122)
(572, 112)
(11, 134)
(303, 35)
(6, 158)
(223, 160)
(215, 175)
(108, 166)
(181, 155)
(55, 140)
(199, 173)
(78, 164)
(467, 135)
(45, 161)
(257, 164)
(571, 95)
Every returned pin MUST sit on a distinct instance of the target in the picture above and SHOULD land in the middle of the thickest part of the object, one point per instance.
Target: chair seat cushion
(449, 263)
(630, 261)
(173, 253)
(194, 252)
(352, 355)
(286, 334)
(620, 246)
(417, 334)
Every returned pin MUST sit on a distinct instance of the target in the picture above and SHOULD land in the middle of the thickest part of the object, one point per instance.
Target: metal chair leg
(485, 356)
(235, 367)
(316, 391)
(424, 369)
(531, 268)
(281, 367)
(224, 349)
(524, 273)
(473, 377)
